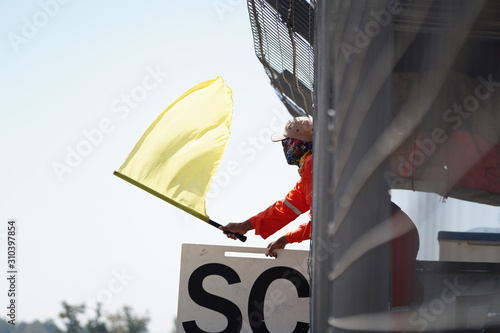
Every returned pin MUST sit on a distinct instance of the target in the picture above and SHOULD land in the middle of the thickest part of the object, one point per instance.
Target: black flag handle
(217, 225)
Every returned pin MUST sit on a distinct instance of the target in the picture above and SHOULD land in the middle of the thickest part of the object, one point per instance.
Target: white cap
(300, 128)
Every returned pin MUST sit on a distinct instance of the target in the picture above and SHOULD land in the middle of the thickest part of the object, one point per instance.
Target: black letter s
(213, 302)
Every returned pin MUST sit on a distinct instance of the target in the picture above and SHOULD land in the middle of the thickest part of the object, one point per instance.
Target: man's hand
(236, 228)
(278, 244)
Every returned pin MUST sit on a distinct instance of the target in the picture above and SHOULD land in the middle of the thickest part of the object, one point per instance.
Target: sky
(81, 81)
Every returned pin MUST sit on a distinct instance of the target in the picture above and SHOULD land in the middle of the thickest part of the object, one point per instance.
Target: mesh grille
(283, 32)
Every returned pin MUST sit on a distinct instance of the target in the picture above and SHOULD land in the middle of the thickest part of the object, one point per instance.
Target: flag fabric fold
(178, 156)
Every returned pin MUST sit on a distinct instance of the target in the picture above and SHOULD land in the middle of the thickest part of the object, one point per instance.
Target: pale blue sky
(86, 68)
(115, 66)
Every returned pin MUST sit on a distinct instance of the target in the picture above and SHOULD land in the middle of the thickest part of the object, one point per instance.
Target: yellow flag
(178, 156)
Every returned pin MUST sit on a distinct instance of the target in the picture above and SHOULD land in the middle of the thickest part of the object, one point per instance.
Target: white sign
(239, 289)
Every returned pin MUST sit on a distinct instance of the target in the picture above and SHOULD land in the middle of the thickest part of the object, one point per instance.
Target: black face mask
(294, 150)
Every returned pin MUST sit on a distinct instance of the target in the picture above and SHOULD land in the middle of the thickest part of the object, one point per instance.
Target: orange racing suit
(282, 212)
(298, 201)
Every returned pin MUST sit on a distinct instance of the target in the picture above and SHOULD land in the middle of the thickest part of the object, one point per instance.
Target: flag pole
(217, 225)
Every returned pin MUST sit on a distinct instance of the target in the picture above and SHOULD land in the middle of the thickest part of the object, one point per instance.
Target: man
(297, 147)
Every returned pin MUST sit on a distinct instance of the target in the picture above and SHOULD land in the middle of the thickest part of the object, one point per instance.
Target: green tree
(20, 327)
(70, 317)
(50, 326)
(116, 323)
(128, 322)
(34, 327)
(5, 327)
(96, 325)
(123, 321)
(135, 324)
